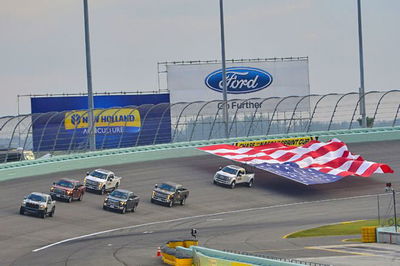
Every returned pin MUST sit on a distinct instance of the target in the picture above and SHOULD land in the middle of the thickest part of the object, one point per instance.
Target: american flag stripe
(332, 157)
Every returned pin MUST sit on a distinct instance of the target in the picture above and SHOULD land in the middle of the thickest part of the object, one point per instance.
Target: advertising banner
(299, 141)
(61, 123)
(245, 80)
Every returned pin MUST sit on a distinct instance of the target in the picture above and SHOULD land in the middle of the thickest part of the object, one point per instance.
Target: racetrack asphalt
(272, 208)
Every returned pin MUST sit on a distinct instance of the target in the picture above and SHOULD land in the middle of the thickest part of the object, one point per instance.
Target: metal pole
(379, 211)
(394, 207)
(91, 132)
(225, 96)
(361, 56)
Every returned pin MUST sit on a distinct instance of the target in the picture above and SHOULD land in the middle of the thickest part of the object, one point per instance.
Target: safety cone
(158, 252)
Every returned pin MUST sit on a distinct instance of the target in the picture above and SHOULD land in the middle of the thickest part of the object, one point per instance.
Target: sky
(42, 42)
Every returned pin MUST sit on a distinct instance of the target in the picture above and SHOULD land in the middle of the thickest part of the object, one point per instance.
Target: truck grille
(59, 191)
(32, 205)
(91, 183)
(161, 195)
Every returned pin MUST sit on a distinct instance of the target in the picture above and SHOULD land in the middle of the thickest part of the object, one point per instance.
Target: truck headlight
(169, 196)
(42, 206)
(52, 189)
(23, 202)
(153, 194)
(84, 181)
(99, 185)
(122, 203)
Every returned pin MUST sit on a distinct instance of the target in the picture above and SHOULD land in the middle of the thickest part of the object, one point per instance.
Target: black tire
(51, 214)
(80, 197)
(22, 210)
(123, 211)
(152, 200)
(183, 201)
(103, 190)
(215, 182)
(250, 184)
(69, 199)
(233, 184)
(134, 207)
(104, 207)
(171, 203)
(42, 214)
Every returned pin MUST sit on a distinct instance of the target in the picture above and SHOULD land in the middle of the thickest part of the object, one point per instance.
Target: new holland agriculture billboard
(61, 123)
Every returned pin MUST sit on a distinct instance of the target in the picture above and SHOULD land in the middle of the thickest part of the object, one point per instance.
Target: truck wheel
(104, 207)
(250, 184)
(43, 214)
(51, 214)
(69, 199)
(233, 184)
(183, 201)
(103, 190)
(152, 201)
(116, 186)
(134, 207)
(80, 197)
(170, 203)
(22, 211)
(123, 210)
(215, 182)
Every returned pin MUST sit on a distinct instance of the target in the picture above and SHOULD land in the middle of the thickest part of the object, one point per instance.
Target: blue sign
(61, 123)
(239, 80)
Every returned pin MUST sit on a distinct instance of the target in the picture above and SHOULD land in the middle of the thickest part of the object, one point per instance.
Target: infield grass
(339, 229)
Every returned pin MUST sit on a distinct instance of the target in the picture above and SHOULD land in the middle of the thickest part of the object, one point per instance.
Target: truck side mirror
(54, 183)
(87, 173)
(220, 168)
(156, 186)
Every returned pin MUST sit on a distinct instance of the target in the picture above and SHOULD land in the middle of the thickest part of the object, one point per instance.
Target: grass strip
(339, 229)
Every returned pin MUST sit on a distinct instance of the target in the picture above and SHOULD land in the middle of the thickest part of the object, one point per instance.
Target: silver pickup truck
(231, 175)
(101, 180)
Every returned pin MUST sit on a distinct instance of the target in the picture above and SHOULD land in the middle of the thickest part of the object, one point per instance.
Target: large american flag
(313, 163)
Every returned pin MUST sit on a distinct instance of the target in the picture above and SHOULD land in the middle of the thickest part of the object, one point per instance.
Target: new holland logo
(239, 80)
(75, 119)
(115, 117)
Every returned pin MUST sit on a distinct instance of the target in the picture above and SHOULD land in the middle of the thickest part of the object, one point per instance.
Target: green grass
(339, 229)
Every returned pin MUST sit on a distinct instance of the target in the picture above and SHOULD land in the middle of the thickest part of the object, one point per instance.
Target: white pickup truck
(101, 180)
(231, 175)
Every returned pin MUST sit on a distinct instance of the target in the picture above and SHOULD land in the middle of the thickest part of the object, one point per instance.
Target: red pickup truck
(67, 189)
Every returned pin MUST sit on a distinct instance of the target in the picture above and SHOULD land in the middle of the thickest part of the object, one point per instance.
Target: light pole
(390, 189)
(91, 131)
(224, 86)
(361, 58)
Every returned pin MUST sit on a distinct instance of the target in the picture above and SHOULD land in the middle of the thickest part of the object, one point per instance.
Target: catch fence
(65, 132)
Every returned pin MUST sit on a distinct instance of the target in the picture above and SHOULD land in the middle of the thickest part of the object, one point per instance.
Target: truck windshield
(98, 175)
(229, 170)
(64, 183)
(35, 197)
(167, 187)
(119, 194)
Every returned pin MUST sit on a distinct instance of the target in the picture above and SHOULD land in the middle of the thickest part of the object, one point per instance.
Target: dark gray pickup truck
(169, 193)
(121, 200)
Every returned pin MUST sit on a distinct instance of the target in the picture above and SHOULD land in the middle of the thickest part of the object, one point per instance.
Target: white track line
(197, 216)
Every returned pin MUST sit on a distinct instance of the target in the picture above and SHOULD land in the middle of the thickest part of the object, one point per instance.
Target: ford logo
(239, 80)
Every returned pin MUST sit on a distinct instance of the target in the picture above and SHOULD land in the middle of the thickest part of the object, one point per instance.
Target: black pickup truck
(121, 200)
(169, 193)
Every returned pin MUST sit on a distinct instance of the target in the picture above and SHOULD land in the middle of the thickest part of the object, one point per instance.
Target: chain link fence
(387, 204)
(62, 133)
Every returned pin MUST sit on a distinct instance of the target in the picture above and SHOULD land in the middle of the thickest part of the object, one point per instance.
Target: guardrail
(207, 256)
(167, 151)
